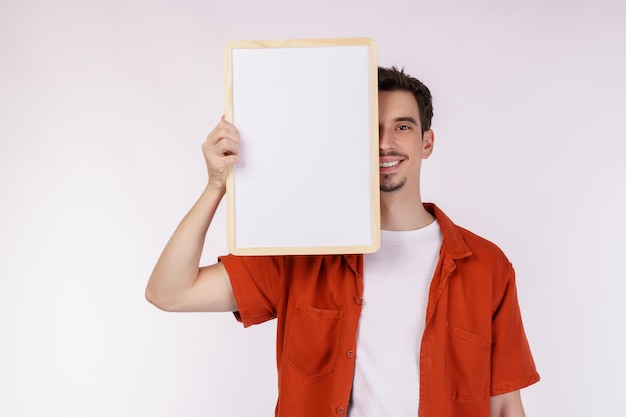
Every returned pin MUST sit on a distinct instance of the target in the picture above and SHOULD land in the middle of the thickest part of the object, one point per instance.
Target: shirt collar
(453, 243)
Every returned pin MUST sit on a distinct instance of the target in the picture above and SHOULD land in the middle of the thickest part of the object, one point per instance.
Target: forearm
(177, 268)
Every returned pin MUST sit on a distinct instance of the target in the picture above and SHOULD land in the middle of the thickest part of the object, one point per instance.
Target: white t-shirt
(396, 283)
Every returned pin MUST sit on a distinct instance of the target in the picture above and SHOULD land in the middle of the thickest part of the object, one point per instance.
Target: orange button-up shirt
(473, 346)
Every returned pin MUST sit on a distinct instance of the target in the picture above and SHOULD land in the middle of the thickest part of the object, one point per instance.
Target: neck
(398, 213)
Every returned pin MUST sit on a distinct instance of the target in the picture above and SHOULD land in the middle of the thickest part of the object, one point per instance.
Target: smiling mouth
(388, 164)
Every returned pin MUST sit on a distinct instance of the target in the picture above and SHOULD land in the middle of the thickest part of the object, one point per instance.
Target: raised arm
(177, 282)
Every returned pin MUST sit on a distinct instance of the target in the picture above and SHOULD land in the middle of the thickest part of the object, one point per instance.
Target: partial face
(402, 145)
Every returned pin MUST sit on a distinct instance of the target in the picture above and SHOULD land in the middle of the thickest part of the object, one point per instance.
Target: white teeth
(388, 164)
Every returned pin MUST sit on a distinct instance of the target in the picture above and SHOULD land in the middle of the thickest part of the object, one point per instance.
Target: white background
(104, 106)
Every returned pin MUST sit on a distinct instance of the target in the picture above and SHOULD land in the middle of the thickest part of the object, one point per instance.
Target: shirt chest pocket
(313, 339)
(468, 357)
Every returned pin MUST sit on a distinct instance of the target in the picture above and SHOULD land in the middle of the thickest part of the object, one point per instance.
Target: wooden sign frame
(307, 115)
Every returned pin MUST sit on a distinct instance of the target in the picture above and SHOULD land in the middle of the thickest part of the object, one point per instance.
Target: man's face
(402, 145)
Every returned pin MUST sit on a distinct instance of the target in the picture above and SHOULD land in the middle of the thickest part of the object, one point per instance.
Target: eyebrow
(405, 119)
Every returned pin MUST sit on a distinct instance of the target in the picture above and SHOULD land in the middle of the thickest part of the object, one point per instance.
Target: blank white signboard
(307, 115)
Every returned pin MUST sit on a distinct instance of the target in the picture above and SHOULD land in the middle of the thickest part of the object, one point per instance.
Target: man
(429, 325)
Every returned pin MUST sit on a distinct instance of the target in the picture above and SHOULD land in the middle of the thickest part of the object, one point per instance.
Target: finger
(227, 147)
(223, 147)
(221, 131)
(225, 163)
(231, 159)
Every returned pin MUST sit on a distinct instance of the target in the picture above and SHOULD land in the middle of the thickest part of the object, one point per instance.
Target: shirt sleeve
(512, 364)
(257, 282)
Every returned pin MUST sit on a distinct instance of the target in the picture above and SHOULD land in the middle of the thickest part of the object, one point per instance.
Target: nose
(385, 139)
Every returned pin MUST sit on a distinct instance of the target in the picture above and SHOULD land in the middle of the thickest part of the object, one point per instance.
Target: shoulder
(488, 262)
(283, 265)
(485, 256)
(461, 243)
(237, 261)
(478, 245)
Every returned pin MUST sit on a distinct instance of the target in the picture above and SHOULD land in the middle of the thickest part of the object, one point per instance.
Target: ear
(428, 142)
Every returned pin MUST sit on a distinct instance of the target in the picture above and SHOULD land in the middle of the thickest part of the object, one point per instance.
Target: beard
(387, 184)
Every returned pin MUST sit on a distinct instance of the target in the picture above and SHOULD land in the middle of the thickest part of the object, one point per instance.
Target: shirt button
(340, 410)
(350, 353)
(358, 300)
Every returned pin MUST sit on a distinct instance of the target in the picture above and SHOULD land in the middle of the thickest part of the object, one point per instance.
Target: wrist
(216, 189)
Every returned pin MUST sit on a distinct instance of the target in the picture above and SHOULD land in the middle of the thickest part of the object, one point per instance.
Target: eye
(404, 127)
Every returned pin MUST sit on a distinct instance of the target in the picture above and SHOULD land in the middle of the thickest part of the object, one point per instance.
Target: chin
(389, 187)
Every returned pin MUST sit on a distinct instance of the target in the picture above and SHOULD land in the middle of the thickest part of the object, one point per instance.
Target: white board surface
(307, 115)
